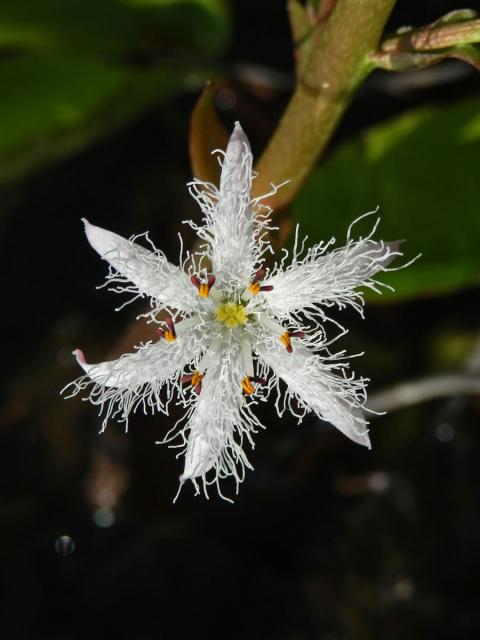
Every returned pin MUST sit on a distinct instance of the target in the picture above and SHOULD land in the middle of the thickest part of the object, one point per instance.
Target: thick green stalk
(338, 63)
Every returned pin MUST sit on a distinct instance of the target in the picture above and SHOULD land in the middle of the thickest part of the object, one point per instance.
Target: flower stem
(339, 60)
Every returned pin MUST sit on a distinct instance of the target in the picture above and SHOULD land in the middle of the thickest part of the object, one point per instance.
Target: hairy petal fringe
(139, 271)
(319, 384)
(218, 424)
(145, 379)
(330, 278)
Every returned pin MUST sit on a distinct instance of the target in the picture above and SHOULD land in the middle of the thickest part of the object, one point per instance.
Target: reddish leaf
(206, 134)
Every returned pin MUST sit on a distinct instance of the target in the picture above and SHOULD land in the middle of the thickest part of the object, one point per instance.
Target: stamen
(203, 287)
(286, 337)
(255, 287)
(170, 334)
(247, 385)
(195, 379)
(285, 340)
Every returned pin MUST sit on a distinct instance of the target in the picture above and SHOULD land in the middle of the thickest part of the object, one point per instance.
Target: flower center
(231, 314)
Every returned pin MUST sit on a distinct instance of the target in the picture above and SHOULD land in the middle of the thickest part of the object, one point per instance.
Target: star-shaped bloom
(234, 330)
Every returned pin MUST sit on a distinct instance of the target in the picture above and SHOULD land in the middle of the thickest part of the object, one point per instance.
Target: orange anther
(247, 386)
(169, 334)
(203, 287)
(196, 378)
(254, 288)
(285, 340)
(203, 290)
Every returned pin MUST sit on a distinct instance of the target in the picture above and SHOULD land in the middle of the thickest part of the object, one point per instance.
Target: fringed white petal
(324, 278)
(219, 423)
(318, 384)
(149, 272)
(135, 380)
(235, 237)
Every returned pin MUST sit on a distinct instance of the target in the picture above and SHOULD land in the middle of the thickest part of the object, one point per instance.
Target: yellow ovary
(231, 314)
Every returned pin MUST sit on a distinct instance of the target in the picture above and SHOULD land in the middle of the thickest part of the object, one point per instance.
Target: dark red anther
(187, 378)
(195, 280)
(259, 275)
(267, 287)
(160, 332)
(258, 380)
(198, 387)
(170, 325)
(211, 281)
(296, 334)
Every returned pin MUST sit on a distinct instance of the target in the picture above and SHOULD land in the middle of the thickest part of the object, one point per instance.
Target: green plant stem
(338, 62)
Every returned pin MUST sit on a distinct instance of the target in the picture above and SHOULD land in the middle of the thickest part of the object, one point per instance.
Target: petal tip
(364, 440)
(80, 357)
(78, 353)
(237, 128)
(238, 140)
(199, 458)
(101, 240)
(236, 167)
(89, 228)
(86, 225)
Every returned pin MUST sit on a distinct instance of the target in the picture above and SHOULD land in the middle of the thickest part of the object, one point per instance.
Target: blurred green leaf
(103, 29)
(73, 71)
(422, 169)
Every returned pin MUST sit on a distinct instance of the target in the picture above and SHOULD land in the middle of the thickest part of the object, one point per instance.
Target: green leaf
(205, 22)
(75, 103)
(103, 29)
(74, 71)
(422, 169)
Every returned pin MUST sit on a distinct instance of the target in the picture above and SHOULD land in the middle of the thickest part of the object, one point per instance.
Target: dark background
(325, 540)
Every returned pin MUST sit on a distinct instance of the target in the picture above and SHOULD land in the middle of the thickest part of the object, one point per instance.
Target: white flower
(234, 330)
